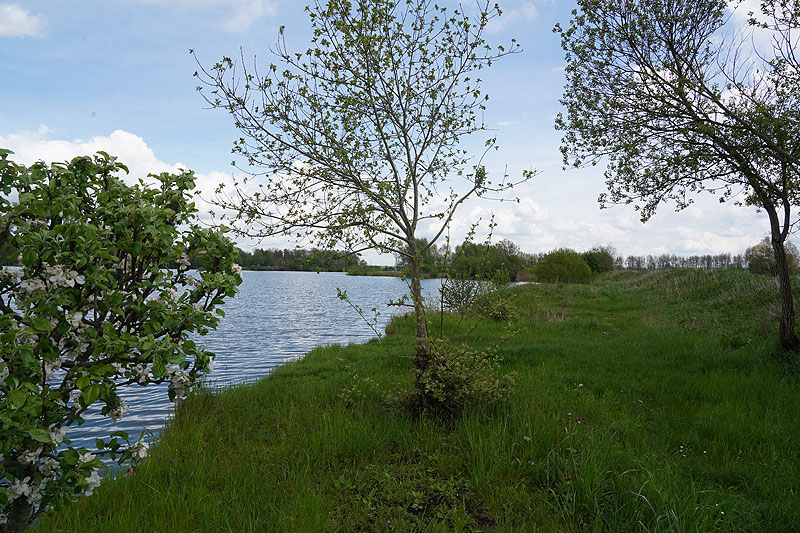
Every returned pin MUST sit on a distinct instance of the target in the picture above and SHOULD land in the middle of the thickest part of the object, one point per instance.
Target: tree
(563, 266)
(761, 260)
(355, 139)
(600, 259)
(92, 308)
(677, 105)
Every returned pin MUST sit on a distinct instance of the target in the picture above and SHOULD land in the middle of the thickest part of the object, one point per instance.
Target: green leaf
(40, 434)
(100, 443)
(82, 382)
(41, 324)
(29, 257)
(16, 398)
(90, 394)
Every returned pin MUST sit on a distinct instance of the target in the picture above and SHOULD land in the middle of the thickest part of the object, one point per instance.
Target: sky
(81, 76)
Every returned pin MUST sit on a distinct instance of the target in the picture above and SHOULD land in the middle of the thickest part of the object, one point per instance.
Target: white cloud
(526, 11)
(18, 22)
(239, 16)
(507, 123)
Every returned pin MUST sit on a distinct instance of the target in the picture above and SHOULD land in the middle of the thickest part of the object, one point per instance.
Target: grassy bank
(687, 423)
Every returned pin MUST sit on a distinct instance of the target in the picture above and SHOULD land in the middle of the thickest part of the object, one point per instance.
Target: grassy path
(688, 422)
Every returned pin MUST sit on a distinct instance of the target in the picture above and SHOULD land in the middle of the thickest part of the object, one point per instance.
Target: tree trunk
(786, 333)
(422, 347)
(20, 516)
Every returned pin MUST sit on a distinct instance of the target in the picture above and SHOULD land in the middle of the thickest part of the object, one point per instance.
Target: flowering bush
(94, 306)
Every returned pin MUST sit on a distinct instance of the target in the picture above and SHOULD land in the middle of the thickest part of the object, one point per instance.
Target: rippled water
(276, 317)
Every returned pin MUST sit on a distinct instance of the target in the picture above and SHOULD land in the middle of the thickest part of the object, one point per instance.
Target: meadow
(656, 401)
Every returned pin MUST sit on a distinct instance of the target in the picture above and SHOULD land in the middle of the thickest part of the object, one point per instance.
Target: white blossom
(86, 457)
(30, 456)
(50, 367)
(57, 434)
(140, 449)
(20, 487)
(119, 411)
(75, 319)
(236, 269)
(183, 261)
(92, 482)
(48, 466)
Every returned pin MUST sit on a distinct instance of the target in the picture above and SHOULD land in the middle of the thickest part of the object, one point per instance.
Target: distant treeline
(313, 260)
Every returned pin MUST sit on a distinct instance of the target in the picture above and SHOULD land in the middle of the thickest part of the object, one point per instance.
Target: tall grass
(687, 423)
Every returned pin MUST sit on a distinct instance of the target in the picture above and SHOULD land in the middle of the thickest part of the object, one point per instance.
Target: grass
(687, 423)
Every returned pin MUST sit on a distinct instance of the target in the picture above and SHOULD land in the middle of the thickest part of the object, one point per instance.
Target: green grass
(688, 423)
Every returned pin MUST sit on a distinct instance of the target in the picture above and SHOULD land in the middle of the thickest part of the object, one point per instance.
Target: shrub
(600, 259)
(564, 266)
(761, 258)
(457, 376)
(94, 307)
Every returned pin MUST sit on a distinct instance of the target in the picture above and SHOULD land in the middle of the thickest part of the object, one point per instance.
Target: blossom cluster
(81, 321)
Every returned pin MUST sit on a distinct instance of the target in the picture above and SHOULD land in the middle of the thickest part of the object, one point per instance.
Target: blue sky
(82, 76)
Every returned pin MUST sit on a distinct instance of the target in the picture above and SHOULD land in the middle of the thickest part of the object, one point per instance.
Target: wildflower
(236, 269)
(527, 438)
(569, 416)
(578, 420)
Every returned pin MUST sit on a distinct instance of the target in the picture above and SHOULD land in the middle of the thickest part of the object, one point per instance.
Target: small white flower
(75, 319)
(92, 482)
(86, 457)
(48, 466)
(183, 261)
(140, 449)
(119, 411)
(20, 487)
(236, 269)
(30, 456)
(57, 434)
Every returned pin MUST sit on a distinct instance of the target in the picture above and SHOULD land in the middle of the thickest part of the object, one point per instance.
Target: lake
(275, 318)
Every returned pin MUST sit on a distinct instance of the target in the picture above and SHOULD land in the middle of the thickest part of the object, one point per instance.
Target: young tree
(678, 101)
(93, 307)
(355, 139)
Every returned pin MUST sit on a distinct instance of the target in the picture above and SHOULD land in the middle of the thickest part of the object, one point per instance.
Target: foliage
(761, 258)
(484, 261)
(678, 100)
(91, 309)
(313, 260)
(456, 376)
(358, 138)
(678, 432)
(600, 259)
(563, 266)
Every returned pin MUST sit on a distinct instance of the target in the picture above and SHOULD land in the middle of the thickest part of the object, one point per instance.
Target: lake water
(275, 318)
